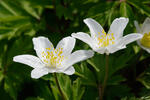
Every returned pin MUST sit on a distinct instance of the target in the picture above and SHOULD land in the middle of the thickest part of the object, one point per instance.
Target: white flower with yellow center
(101, 42)
(145, 31)
(52, 60)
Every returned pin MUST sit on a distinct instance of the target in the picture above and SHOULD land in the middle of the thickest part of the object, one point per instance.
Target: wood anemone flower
(145, 31)
(101, 42)
(50, 60)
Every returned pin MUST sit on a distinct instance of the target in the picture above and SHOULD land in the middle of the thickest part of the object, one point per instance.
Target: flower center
(53, 58)
(145, 41)
(105, 39)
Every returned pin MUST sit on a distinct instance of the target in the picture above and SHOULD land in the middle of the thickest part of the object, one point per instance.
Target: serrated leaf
(65, 85)
(77, 90)
(144, 79)
(86, 74)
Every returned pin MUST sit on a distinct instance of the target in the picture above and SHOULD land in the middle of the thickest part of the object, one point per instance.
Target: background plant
(21, 20)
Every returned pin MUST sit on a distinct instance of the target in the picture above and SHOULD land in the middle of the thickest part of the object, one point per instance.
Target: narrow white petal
(67, 44)
(146, 26)
(101, 50)
(122, 42)
(95, 28)
(29, 60)
(130, 38)
(40, 45)
(117, 27)
(70, 70)
(76, 57)
(83, 37)
(114, 48)
(138, 29)
(143, 47)
(38, 72)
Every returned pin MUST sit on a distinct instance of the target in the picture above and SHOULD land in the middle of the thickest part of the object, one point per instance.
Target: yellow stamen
(53, 58)
(48, 48)
(106, 39)
(145, 41)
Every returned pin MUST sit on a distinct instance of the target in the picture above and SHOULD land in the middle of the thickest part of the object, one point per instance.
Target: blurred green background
(21, 20)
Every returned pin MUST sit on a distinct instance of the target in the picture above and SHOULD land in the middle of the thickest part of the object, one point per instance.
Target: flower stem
(106, 76)
(100, 91)
(57, 83)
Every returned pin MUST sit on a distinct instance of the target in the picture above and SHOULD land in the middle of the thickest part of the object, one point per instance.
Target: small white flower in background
(52, 60)
(145, 31)
(101, 42)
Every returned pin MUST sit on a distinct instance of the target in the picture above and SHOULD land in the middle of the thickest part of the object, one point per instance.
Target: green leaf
(55, 92)
(115, 80)
(4, 94)
(130, 98)
(42, 90)
(77, 90)
(86, 74)
(144, 78)
(14, 77)
(93, 65)
(143, 8)
(35, 98)
(8, 7)
(99, 9)
(117, 91)
(60, 10)
(65, 85)
(29, 9)
(19, 46)
(10, 88)
(126, 10)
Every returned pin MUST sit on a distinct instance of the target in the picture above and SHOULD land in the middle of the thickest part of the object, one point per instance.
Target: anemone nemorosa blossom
(145, 31)
(101, 42)
(52, 60)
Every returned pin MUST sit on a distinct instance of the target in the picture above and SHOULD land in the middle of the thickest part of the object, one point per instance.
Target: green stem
(57, 83)
(100, 91)
(106, 76)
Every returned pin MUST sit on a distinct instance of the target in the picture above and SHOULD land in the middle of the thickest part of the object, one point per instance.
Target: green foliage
(21, 20)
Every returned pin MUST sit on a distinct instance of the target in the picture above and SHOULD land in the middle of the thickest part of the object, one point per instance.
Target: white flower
(52, 60)
(145, 31)
(101, 42)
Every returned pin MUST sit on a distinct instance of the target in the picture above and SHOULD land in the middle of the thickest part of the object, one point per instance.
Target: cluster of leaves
(21, 20)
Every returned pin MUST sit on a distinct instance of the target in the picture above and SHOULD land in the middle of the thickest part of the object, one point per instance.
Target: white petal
(143, 47)
(117, 27)
(138, 29)
(146, 26)
(67, 44)
(40, 45)
(69, 71)
(95, 28)
(87, 39)
(122, 42)
(130, 38)
(101, 50)
(76, 57)
(29, 60)
(83, 37)
(38, 72)
(116, 47)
